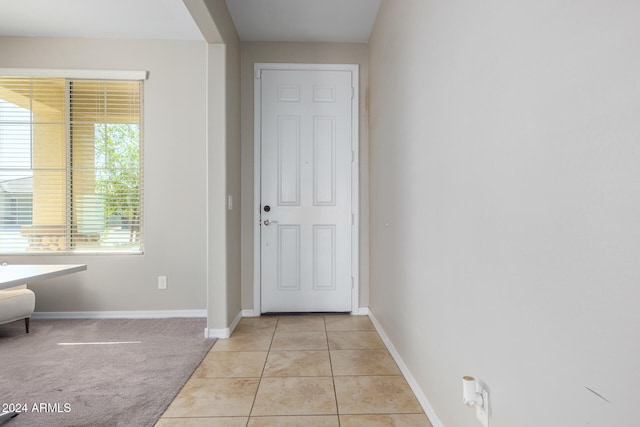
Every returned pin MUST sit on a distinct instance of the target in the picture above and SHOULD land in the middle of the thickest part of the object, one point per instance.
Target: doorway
(306, 188)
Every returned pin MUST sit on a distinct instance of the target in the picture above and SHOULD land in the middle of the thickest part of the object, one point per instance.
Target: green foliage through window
(117, 158)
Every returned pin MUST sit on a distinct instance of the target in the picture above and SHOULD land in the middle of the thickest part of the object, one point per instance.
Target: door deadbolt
(267, 208)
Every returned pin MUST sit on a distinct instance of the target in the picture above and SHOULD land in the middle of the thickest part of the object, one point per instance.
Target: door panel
(306, 182)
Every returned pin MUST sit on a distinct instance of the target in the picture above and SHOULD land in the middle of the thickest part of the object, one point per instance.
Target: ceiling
(255, 20)
(135, 19)
(304, 20)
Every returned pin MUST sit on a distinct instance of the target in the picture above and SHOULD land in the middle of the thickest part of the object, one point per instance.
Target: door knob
(268, 221)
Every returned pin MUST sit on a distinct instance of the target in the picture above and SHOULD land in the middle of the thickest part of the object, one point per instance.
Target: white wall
(233, 165)
(505, 153)
(312, 53)
(223, 158)
(174, 176)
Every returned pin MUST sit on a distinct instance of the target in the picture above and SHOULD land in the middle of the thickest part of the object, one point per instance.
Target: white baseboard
(166, 314)
(225, 332)
(362, 311)
(422, 398)
(235, 323)
(250, 313)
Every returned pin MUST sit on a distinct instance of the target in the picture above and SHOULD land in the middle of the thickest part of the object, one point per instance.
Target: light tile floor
(290, 371)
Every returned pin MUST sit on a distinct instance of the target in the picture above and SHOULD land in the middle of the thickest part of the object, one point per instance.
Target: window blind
(70, 165)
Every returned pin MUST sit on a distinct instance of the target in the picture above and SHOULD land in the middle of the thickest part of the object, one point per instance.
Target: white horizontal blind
(70, 165)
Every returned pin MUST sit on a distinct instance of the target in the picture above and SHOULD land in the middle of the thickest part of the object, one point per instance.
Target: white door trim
(355, 173)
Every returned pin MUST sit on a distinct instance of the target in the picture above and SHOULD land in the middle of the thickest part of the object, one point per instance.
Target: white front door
(306, 190)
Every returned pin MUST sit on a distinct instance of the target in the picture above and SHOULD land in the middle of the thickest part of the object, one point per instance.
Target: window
(70, 165)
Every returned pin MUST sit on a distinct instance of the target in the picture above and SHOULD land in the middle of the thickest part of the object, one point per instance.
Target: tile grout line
(333, 378)
(264, 366)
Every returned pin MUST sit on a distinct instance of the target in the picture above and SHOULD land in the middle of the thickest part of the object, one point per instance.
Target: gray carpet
(97, 385)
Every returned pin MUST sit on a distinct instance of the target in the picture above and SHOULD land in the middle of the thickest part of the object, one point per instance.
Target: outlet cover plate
(482, 412)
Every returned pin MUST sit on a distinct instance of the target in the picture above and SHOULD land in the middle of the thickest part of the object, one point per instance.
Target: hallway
(310, 370)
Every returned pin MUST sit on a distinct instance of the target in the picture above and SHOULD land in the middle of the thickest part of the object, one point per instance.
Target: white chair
(15, 304)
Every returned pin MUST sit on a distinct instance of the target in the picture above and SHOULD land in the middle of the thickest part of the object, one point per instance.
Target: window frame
(71, 222)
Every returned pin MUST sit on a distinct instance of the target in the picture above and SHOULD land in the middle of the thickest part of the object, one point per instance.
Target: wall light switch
(229, 202)
(162, 282)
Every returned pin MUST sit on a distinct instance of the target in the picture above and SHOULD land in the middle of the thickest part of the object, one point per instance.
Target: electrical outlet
(162, 282)
(482, 412)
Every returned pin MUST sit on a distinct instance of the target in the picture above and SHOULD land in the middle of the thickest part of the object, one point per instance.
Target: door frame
(355, 174)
